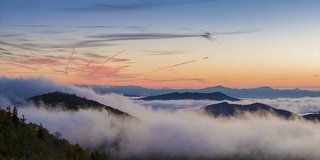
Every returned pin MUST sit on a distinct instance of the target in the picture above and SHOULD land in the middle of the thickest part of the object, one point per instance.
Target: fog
(183, 133)
(172, 133)
(298, 106)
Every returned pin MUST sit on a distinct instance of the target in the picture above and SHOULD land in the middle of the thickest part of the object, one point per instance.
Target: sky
(168, 43)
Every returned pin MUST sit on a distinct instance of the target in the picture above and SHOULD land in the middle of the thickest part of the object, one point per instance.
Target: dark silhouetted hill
(217, 96)
(71, 102)
(227, 109)
(21, 140)
(312, 116)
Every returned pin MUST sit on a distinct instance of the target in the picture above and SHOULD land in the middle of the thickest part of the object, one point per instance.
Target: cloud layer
(166, 133)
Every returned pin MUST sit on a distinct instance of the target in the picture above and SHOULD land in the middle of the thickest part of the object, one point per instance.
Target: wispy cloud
(142, 5)
(136, 27)
(53, 32)
(164, 52)
(40, 61)
(236, 31)
(18, 64)
(93, 27)
(1, 49)
(106, 70)
(93, 55)
(29, 25)
(57, 45)
(91, 43)
(120, 60)
(7, 53)
(10, 35)
(146, 36)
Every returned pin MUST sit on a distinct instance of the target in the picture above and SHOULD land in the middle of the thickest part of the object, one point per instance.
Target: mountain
(227, 109)
(261, 92)
(21, 140)
(217, 96)
(71, 102)
(312, 116)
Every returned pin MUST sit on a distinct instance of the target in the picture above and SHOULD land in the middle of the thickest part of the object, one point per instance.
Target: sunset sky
(163, 43)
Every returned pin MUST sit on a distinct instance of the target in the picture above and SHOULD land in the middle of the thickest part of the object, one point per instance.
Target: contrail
(180, 64)
(66, 68)
(109, 58)
(176, 65)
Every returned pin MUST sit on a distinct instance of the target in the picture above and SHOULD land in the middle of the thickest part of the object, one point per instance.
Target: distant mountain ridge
(261, 92)
(217, 96)
(227, 109)
(71, 102)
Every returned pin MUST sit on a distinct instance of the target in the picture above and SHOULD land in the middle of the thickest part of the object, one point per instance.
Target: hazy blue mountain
(217, 96)
(262, 92)
(71, 102)
(227, 109)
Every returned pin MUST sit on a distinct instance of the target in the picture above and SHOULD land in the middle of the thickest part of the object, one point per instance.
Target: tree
(57, 135)
(15, 118)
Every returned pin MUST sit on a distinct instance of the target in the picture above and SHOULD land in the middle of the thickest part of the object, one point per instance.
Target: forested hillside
(72, 102)
(21, 140)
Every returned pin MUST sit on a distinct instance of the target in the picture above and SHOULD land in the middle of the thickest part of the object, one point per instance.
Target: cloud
(42, 61)
(174, 105)
(1, 49)
(163, 52)
(56, 45)
(30, 25)
(150, 36)
(136, 27)
(296, 105)
(93, 27)
(176, 65)
(166, 133)
(10, 35)
(16, 89)
(53, 32)
(91, 43)
(105, 70)
(93, 55)
(120, 60)
(237, 32)
(143, 5)
(184, 134)
(20, 65)
(7, 53)
(144, 36)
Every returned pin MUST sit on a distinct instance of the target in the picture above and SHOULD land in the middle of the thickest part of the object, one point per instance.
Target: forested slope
(21, 140)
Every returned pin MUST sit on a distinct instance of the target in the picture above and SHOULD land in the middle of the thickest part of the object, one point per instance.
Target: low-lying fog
(168, 127)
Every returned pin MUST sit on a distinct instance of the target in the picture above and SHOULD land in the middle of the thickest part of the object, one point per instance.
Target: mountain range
(217, 96)
(73, 102)
(261, 92)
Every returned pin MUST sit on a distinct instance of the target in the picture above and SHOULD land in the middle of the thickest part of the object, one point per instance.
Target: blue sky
(276, 40)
